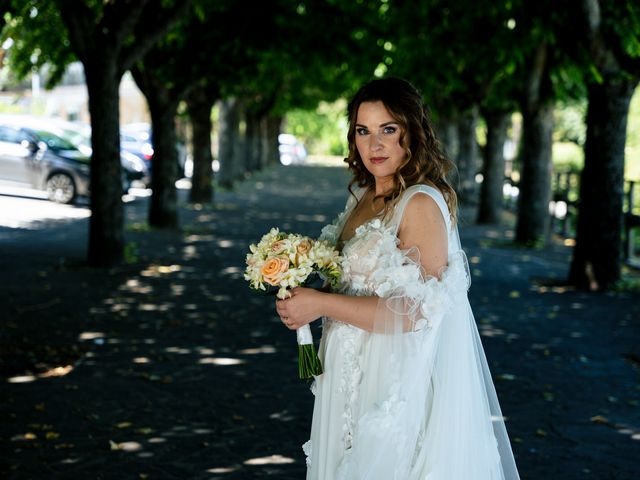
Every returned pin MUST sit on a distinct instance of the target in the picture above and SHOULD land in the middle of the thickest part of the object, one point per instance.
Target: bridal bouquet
(286, 260)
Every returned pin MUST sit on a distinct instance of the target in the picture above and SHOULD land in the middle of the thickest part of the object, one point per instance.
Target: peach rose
(273, 269)
(278, 247)
(304, 246)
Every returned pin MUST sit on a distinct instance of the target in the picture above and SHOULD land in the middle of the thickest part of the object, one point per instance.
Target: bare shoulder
(422, 209)
(424, 227)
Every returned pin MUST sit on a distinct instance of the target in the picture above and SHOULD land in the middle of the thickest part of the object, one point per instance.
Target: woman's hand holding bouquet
(284, 261)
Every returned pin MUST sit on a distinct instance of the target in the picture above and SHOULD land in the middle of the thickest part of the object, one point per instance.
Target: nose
(375, 143)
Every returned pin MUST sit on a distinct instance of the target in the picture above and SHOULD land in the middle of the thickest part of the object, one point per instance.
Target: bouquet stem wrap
(308, 362)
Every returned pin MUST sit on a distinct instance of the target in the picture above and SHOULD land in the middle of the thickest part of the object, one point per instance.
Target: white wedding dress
(414, 399)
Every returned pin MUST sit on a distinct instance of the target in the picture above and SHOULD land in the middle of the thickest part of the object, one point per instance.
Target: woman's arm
(422, 227)
(306, 305)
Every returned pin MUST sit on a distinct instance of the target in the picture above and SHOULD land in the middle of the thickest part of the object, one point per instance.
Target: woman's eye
(390, 130)
(361, 131)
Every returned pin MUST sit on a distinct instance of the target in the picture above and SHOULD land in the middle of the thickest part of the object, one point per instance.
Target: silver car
(38, 159)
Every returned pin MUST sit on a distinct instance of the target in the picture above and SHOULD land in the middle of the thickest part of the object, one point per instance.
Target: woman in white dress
(406, 392)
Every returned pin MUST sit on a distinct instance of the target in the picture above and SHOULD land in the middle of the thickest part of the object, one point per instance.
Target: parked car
(137, 138)
(292, 150)
(134, 169)
(34, 158)
(67, 142)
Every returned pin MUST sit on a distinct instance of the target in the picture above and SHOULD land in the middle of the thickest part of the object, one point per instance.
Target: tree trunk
(163, 107)
(108, 40)
(449, 136)
(598, 251)
(468, 156)
(253, 143)
(241, 150)
(200, 106)
(106, 233)
(274, 124)
(163, 210)
(534, 186)
(491, 195)
(535, 176)
(228, 141)
(264, 142)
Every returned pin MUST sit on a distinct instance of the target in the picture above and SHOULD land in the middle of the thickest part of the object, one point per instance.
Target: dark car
(34, 158)
(137, 138)
(134, 169)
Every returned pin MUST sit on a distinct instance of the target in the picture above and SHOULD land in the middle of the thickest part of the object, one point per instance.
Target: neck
(383, 185)
(381, 188)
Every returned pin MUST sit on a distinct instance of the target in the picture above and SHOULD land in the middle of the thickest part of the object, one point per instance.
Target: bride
(406, 392)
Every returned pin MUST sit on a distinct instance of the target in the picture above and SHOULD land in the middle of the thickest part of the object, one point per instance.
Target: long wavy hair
(424, 162)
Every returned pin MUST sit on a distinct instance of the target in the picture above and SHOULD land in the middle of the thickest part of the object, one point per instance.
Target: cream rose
(273, 269)
(278, 247)
(304, 247)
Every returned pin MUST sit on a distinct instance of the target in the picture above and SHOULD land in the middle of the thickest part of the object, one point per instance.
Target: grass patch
(138, 227)
(131, 253)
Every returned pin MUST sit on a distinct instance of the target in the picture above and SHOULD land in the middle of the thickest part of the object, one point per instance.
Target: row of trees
(482, 59)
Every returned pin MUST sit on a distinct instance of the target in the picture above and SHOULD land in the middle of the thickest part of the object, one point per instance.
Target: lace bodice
(373, 264)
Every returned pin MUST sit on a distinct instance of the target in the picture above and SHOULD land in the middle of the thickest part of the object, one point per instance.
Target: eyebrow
(393, 122)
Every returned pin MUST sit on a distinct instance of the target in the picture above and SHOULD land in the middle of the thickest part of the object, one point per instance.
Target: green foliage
(38, 39)
(569, 125)
(632, 150)
(131, 254)
(629, 283)
(138, 227)
(567, 157)
(323, 130)
(623, 18)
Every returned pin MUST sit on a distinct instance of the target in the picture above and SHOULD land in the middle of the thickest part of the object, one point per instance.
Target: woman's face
(377, 137)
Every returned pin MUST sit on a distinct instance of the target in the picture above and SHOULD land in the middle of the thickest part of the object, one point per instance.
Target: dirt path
(170, 368)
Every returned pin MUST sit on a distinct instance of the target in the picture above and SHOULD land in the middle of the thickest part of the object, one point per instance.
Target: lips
(377, 160)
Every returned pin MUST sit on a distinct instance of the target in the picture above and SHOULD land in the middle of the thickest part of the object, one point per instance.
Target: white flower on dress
(307, 449)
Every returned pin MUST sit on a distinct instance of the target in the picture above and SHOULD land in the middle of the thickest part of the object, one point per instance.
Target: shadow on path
(170, 367)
